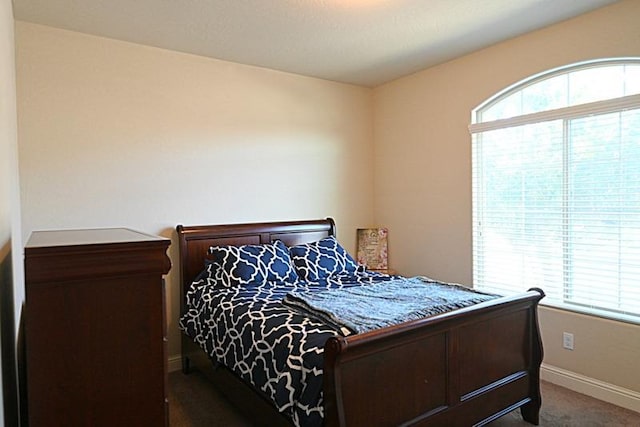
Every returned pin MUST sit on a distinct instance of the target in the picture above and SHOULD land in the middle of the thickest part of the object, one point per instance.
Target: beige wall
(423, 170)
(7, 162)
(11, 271)
(118, 134)
(10, 230)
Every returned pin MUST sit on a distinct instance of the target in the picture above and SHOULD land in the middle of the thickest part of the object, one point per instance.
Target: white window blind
(556, 205)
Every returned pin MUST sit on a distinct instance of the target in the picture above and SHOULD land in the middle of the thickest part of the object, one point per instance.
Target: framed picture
(372, 248)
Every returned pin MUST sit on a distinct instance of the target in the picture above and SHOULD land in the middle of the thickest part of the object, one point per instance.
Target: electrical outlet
(567, 340)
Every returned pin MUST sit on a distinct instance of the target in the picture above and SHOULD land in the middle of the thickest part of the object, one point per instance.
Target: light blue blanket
(362, 308)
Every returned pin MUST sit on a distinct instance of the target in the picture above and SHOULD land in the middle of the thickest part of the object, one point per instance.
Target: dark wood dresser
(95, 328)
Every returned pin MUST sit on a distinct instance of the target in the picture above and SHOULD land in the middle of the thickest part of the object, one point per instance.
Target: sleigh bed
(459, 368)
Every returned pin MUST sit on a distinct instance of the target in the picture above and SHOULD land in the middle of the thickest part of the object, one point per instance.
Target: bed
(465, 367)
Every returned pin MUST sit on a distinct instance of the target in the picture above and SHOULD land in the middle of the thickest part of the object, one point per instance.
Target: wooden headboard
(194, 241)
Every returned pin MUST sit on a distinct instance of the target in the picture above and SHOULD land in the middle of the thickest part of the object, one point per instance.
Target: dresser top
(97, 236)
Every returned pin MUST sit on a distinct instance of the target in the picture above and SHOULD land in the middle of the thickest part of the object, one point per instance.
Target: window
(556, 188)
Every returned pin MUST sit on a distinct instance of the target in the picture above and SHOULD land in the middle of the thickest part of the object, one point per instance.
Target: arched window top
(568, 86)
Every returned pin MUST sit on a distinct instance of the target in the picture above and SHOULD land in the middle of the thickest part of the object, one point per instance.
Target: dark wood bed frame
(462, 368)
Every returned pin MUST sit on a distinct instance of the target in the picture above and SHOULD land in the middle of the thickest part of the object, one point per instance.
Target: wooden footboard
(466, 367)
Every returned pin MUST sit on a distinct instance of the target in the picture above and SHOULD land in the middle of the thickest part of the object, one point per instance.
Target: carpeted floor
(195, 402)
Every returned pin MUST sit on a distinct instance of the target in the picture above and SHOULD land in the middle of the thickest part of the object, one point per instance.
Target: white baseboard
(610, 393)
(174, 363)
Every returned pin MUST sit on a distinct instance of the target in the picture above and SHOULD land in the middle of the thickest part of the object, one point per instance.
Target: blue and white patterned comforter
(277, 348)
(273, 347)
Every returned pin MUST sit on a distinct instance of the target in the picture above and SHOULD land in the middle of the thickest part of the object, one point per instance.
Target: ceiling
(362, 42)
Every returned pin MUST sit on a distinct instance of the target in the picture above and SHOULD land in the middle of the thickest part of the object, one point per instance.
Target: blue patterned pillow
(251, 264)
(321, 259)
